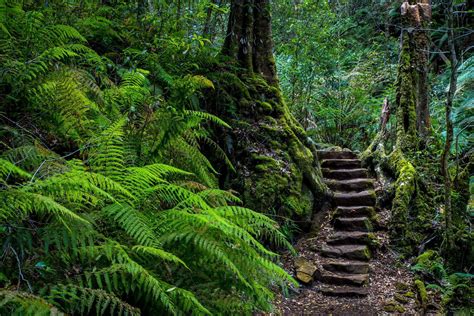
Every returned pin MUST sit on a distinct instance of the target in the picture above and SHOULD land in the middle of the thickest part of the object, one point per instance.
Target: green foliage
(462, 108)
(335, 67)
(456, 288)
(97, 215)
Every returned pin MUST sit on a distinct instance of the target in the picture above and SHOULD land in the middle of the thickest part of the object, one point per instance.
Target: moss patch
(422, 294)
(276, 166)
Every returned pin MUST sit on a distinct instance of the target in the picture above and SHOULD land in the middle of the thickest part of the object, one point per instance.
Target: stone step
(362, 224)
(353, 252)
(344, 174)
(354, 211)
(341, 163)
(329, 277)
(364, 198)
(348, 291)
(351, 267)
(348, 238)
(327, 154)
(360, 184)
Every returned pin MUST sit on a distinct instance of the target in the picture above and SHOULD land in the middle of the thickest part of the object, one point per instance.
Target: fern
(21, 303)
(109, 203)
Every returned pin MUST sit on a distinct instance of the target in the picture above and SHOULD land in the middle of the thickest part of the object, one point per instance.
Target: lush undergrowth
(337, 67)
(108, 204)
(111, 171)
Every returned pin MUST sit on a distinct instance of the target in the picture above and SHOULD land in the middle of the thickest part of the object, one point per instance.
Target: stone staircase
(344, 270)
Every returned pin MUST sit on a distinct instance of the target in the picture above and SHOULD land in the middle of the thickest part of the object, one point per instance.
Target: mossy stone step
(329, 277)
(342, 266)
(347, 291)
(364, 198)
(349, 238)
(341, 163)
(353, 252)
(362, 224)
(327, 154)
(344, 174)
(355, 211)
(360, 184)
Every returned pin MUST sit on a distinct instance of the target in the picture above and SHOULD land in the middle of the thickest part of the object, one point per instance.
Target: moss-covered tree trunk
(413, 117)
(249, 37)
(409, 217)
(276, 165)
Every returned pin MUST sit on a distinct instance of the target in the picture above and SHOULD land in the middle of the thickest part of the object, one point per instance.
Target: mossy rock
(393, 307)
(401, 287)
(422, 294)
(401, 298)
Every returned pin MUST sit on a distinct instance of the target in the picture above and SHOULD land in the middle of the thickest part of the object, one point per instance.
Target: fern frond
(22, 303)
(208, 117)
(158, 253)
(7, 169)
(86, 301)
(16, 204)
(133, 223)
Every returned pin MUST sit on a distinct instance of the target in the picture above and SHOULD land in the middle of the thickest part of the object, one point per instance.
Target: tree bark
(276, 166)
(412, 94)
(249, 37)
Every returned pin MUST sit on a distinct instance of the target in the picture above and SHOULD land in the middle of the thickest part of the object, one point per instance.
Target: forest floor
(389, 281)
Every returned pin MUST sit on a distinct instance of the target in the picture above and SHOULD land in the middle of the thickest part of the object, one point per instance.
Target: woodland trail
(348, 267)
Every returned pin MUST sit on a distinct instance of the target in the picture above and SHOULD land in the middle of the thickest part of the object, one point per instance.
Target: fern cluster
(97, 215)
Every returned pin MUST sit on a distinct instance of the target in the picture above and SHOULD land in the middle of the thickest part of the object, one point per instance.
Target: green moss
(422, 294)
(406, 97)
(427, 257)
(409, 294)
(266, 106)
(400, 286)
(404, 191)
(400, 298)
(276, 168)
(393, 307)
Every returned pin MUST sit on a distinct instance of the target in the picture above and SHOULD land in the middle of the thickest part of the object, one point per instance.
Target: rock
(364, 198)
(327, 154)
(343, 237)
(355, 211)
(400, 298)
(402, 287)
(353, 224)
(354, 252)
(349, 291)
(393, 307)
(354, 267)
(342, 279)
(341, 163)
(350, 184)
(304, 270)
(344, 174)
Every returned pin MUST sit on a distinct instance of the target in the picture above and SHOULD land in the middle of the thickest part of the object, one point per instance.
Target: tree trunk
(421, 39)
(276, 167)
(249, 37)
(449, 131)
(413, 119)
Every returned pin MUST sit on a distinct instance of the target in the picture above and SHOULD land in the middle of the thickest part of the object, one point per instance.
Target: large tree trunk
(276, 165)
(249, 37)
(413, 119)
